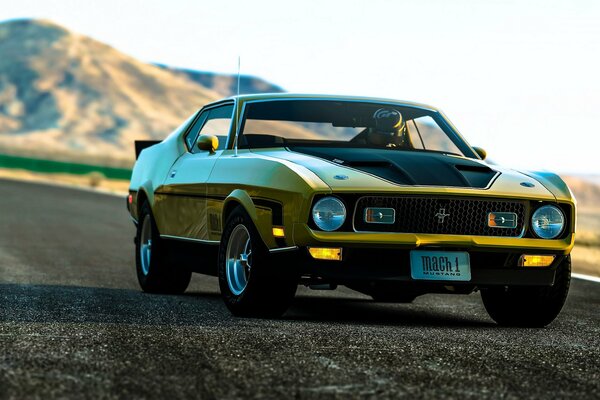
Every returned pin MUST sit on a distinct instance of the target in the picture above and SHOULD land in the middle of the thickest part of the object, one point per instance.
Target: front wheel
(251, 284)
(529, 306)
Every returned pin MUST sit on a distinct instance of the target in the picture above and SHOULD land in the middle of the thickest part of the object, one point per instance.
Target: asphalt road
(73, 324)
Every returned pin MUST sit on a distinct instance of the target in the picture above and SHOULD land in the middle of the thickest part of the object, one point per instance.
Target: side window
(415, 136)
(192, 134)
(425, 133)
(217, 124)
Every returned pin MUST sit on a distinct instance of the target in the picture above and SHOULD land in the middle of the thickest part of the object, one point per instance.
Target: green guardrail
(61, 167)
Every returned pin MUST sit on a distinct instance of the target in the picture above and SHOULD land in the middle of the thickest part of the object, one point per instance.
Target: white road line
(586, 277)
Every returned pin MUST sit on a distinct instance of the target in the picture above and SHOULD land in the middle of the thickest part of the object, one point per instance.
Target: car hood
(415, 168)
(376, 170)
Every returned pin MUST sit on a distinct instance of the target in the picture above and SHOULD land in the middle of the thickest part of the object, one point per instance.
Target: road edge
(584, 277)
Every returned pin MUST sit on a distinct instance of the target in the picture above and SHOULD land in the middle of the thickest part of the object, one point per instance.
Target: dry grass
(586, 254)
(91, 181)
(586, 260)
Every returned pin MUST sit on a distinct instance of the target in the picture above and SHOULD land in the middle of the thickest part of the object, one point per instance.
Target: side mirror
(208, 143)
(480, 152)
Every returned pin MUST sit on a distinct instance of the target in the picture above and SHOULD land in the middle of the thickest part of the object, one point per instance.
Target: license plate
(440, 265)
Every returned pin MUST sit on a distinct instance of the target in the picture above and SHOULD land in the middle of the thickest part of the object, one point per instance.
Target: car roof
(304, 96)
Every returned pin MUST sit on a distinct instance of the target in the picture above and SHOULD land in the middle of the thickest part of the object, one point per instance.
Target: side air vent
(474, 168)
(358, 164)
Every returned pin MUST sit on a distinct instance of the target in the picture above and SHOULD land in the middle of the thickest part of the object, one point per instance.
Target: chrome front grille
(452, 216)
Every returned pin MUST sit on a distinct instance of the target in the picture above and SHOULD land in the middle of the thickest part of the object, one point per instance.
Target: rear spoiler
(143, 144)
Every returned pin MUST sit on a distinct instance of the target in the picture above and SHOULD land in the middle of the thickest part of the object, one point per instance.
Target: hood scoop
(417, 168)
(473, 168)
(383, 169)
(366, 163)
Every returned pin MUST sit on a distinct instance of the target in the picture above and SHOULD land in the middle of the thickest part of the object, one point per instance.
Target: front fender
(554, 184)
(261, 218)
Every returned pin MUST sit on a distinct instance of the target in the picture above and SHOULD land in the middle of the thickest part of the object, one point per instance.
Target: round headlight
(548, 222)
(329, 214)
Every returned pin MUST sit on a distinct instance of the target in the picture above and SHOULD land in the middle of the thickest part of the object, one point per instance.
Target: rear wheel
(154, 271)
(529, 306)
(251, 284)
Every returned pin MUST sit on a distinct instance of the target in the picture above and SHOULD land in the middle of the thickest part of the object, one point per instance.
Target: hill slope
(226, 84)
(68, 96)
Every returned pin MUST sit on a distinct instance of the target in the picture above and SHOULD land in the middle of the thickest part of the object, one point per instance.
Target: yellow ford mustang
(385, 197)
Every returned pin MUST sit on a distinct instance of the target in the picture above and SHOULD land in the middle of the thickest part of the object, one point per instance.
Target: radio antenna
(237, 109)
(238, 77)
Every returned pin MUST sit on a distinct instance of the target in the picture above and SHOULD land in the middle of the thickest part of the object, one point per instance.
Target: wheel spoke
(239, 249)
(146, 244)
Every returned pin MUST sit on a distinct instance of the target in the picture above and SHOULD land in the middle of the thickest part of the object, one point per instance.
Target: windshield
(280, 123)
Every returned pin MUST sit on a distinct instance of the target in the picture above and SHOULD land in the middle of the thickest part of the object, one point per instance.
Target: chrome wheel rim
(238, 259)
(146, 244)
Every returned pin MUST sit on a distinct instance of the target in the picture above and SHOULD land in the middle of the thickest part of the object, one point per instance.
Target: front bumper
(367, 265)
(385, 257)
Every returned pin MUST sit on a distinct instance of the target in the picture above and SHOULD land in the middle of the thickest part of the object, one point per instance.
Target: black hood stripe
(417, 168)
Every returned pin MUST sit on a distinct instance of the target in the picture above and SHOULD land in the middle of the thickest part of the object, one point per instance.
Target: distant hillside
(68, 96)
(226, 84)
(586, 190)
(593, 178)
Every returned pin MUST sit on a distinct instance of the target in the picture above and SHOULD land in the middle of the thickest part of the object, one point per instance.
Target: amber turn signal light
(325, 253)
(502, 220)
(278, 232)
(535, 260)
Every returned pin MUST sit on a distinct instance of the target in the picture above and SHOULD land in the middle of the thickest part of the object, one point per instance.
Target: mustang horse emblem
(441, 215)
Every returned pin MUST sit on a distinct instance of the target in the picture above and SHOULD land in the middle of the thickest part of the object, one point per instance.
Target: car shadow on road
(78, 304)
(366, 311)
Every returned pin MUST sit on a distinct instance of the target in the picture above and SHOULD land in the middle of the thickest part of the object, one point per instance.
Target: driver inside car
(388, 129)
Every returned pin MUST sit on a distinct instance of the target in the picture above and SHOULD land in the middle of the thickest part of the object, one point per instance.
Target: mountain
(226, 84)
(67, 96)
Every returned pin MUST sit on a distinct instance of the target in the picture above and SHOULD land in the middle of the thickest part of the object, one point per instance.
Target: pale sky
(519, 78)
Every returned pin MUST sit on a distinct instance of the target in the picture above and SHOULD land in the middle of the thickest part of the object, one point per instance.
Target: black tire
(529, 306)
(269, 289)
(159, 275)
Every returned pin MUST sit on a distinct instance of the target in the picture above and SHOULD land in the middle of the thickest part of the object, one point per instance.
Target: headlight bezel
(319, 222)
(535, 217)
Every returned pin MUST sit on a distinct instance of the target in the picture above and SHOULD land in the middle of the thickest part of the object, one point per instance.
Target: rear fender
(144, 191)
